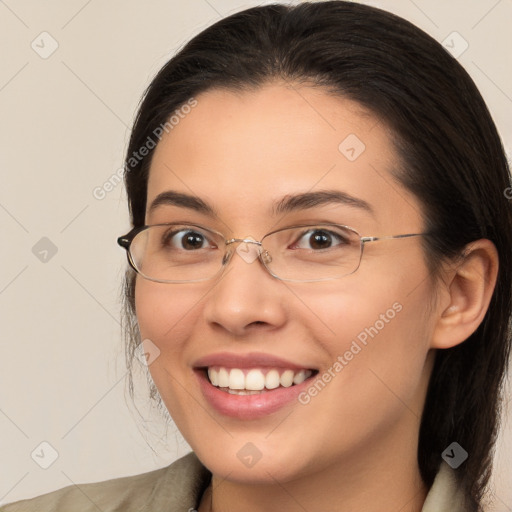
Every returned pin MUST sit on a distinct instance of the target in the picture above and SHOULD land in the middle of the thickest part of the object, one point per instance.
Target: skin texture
(353, 447)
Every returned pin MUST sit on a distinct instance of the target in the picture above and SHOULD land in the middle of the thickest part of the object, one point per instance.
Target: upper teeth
(255, 379)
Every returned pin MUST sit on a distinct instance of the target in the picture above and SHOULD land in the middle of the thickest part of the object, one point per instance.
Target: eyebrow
(182, 200)
(287, 204)
(308, 200)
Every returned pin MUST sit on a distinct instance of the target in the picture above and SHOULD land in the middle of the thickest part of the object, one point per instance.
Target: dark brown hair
(451, 155)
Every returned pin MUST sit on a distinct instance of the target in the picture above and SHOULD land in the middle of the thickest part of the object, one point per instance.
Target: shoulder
(175, 487)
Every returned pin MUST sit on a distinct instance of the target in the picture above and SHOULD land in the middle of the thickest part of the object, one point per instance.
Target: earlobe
(469, 288)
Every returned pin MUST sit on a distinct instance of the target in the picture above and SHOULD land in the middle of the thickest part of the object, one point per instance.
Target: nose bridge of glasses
(262, 252)
(248, 240)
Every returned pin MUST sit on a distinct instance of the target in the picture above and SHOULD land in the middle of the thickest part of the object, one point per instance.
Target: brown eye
(318, 239)
(185, 239)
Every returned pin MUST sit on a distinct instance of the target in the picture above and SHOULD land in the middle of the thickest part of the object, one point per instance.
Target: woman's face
(365, 336)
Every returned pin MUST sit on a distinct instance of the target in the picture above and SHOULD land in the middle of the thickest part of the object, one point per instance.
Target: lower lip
(249, 407)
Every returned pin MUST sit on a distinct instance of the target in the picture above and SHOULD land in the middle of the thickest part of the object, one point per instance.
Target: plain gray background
(65, 119)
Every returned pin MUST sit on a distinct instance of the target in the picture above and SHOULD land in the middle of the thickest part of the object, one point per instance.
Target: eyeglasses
(188, 253)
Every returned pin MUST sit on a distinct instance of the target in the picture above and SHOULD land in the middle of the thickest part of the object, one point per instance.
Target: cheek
(377, 351)
(376, 333)
(342, 312)
(165, 312)
(166, 315)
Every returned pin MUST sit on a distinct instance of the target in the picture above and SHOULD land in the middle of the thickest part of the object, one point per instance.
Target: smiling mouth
(253, 381)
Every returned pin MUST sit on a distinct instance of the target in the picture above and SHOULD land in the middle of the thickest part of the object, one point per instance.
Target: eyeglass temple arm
(377, 238)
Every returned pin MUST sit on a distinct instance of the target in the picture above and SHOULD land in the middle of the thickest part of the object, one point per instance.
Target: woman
(321, 269)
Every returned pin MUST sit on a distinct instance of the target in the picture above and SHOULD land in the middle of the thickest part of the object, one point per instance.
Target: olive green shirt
(178, 488)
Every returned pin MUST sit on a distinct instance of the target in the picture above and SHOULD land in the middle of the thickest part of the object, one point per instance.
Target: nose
(245, 297)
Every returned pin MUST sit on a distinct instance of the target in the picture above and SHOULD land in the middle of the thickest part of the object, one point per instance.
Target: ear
(466, 294)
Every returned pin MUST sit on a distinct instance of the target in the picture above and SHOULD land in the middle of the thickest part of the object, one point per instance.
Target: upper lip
(250, 360)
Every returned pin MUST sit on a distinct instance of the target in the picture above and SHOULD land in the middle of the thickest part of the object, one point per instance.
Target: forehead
(243, 151)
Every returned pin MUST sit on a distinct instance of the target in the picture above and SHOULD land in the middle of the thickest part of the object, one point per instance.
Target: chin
(257, 462)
